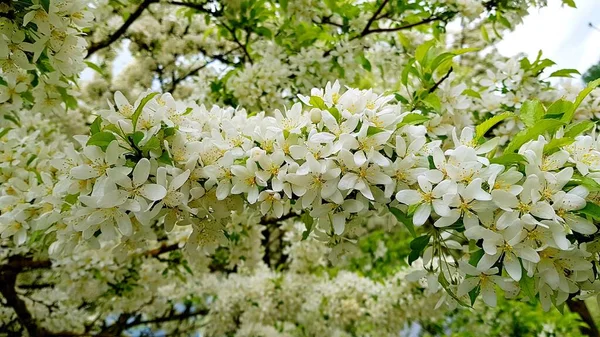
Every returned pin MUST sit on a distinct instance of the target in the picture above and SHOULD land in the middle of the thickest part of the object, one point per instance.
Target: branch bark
(119, 32)
(579, 307)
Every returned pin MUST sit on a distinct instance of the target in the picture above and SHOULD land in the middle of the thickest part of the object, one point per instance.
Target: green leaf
(96, 126)
(165, 158)
(420, 243)
(558, 108)
(422, 50)
(575, 129)
(138, 110)
(413, 119)
(527, 285)
(484, 34)
(364, 62)
(472, 93)
(483, 128)
(565, 73)
(264, 31)
(474, 293)
(587, 182)
(45, 5)
(95, 67)
(525, 135)
(557, 143)
(4, 131)
(531, 112)
(582, 95)
(308, 222)
(372, 130)
(509, 159)
(570, 3)
(475, 257)
(101, 139)
(405, 220)
(317, 102)
(136, 137)
(433, 101)
(592, 210)
(152, 144)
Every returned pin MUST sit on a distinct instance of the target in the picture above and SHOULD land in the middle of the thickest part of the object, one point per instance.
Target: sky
(562, 33)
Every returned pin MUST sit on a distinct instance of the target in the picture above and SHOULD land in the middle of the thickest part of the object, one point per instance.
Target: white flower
(428, 197)
(246, 179)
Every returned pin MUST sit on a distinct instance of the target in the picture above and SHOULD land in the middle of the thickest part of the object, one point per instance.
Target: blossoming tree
(289, 168)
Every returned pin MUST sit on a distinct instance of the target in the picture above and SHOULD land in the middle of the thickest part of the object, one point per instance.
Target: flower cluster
(342, 157)
(41, 52)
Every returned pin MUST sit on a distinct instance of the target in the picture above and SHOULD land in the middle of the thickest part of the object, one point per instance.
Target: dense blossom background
(292, 168)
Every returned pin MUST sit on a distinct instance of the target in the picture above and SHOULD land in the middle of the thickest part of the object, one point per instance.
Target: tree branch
(437, 84)
(119, 32)
(579, 307)
(407, 26)
(373, 18)
(8, 279)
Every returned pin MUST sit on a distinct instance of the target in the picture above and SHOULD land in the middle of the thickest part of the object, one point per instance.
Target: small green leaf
(509, 159)
(95, 67)
(592, 210)
(372, 130)
(101, 139)
(364, 62)
(587, 182)
(96, 126)
(422, 50)
(525, 135)
(568, 116)
(570, 3)
(558, 108)
(405, 220)
(153, 144)
(413, 119)
(308, 222)
(4, 131)
(45, 5)
(575, 129)
(138, 110)
(557, 143)
(475, 257)
(531, 112)
(317, 102)
(420, 243)
(527, 285)
(433, 101)
(565, 73)
(474, 293)
(472, 93)
(484, 34)
(483, 128)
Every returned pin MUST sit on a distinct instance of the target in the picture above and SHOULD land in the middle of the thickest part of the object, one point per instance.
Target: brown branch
(243, 46)
(579, 307)
(219, 57)
(8, 279)
(168, 318)
(198, 7)
(407, 26)
(373, 18)
(437, 84)
(119, 32)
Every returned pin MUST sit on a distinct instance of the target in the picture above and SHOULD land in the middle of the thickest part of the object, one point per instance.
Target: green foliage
(592, 74)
